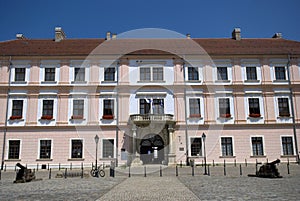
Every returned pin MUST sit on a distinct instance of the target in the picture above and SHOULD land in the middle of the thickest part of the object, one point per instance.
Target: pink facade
(148, 107)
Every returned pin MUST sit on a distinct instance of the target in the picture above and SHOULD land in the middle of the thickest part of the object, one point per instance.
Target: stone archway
(152, 149)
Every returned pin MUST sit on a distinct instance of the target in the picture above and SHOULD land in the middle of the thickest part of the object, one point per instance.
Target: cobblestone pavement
(233, 186)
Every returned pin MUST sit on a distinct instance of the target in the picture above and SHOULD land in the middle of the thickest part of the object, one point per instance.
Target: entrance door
(152, 149)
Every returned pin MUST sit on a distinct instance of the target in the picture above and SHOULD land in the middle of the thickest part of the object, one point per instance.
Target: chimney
(114, 36)
(236, 34)
(188, 36)
(277, 35)
(108, 35)
(59, 34)
(20, 36)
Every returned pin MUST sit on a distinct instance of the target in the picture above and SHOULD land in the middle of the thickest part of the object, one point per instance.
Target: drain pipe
(185, 117)
(6, 114)
(292, 108)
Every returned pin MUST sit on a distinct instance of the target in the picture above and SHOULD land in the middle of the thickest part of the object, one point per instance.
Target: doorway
(152, 149)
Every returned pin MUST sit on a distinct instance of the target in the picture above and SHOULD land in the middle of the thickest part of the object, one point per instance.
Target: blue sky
(202, 19)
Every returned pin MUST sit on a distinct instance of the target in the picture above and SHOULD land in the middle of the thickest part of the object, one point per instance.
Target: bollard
(112, 169)
(37, 167)
(129, 172)
(224, 168)
(245, 162)
(208, 171)
(213, 163)
(176, 171)
(103, 165)
(81, 172)
(202, 164)
(59, 166)
(82, 165)
(0, 174)
(145, 174)
(92, 165)
(288, 166)
(181, 163)
(256, 164)
(234, 162)
(241, 173)
(48, 167)
(160, 171)
(193, 171)
(66, 171)
(5, 168)
(70, 166)
(50, 173)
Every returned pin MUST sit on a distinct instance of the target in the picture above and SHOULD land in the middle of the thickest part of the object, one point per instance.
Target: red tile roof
(73, 47)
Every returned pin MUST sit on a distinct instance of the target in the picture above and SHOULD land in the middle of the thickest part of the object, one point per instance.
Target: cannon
(268, 170)
(24, 174)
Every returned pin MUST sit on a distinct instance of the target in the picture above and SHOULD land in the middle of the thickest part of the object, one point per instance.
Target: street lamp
(203, 138)
(96, 141)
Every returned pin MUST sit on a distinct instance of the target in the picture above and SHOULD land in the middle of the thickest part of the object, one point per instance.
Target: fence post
(129, 172)
(176, 171)
(145, 172)
(224, 167)
(241, 173)
(48, 166)
(50, 173)
(181, 163)
(193, 170)
(37, 167)
(5, 168)
(70, 166)
(245, 162)
(288, 166)
(66, 171)
(59, 166)
(160, 171)
(234, 162)
(213, 163)
(208, 171)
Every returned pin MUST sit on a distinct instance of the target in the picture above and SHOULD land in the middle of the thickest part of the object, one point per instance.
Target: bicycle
(98, 171)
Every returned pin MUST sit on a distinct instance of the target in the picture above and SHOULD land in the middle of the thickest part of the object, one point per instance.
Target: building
(148, 100)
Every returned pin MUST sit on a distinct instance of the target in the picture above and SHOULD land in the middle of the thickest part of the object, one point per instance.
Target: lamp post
(203, 138)
(96, 141)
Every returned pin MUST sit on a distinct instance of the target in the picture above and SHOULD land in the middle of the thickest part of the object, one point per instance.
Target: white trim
(25, 65)
(49, 64)
(261, 108)
(233, 147)
(39, 149)
(190, 146)
(102, 147)
(7, 148)
(20, 122)
(51, 122)
(293, 143)
(263, 146)
(70, 148)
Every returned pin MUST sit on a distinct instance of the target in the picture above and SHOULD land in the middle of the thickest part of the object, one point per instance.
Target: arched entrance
(152, 149)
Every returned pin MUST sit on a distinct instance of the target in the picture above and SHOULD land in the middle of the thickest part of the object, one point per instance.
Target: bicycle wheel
(101, 173)
(94, 173)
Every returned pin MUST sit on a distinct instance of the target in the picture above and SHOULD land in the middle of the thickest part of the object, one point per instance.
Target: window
(151, 73)
(283, 106)
(79, 74)
(20, 74)
(45, 149)
(77, 149)
(17, 109)
(78, 108)
(108, 109)
(108, 148)
(14, 149)
(47, 109)
(226, 143)
(222, 73)
(287, 146)
(193, 73)
(280, 73)
(254, 110)
(251, 73)
(257, 146)
(109, 74)
(145, 106)
(158, 106)
(158, 73)
(196, 146)
(224, 107)
(50, 74)
(145, 74)
(194, 107)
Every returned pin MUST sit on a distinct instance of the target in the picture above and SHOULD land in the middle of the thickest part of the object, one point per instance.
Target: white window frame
(251, 63)
(190, 147)
(85, 112)
(70, 154)
(101, 105)
(263, 146)
(19, 122)
(278, 63)
(281, 147)
(39, 149)
(79, 64)
(233, 147)
(102, 147)
(40, 108)
(151, 73)
(219, 119)
(20, 64)
(200, 74)
(222, 63)
(253, 94)
(7, 149)
(49, 64)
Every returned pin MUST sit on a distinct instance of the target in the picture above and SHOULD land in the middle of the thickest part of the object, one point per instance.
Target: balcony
(141, 119)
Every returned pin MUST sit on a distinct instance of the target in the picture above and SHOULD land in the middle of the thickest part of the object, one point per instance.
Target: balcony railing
(136, 118)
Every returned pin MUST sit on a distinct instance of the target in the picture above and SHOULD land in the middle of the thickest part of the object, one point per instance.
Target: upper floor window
(254, 109)
(144, 106)
(76, 149)
(257, 146)
(78, 109)
(79, 74)
(280, 73)
(151, 74)
(109, 74)
(194, 106)
(45, 149)
(224, 107)
(20, 74)
(196, 146)
(193, 73)
(251, 73)
(108, 109)
(47, 109)
(14, 149)
(222, 73)
(227, 147)
(157, 106)
(287, 145)
(283, 107)
(49, 74)
(17, 109)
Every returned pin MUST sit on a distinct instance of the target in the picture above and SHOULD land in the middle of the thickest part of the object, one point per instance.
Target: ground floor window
(257, 146)
(14, 149)
(287, 146)
(45, 149)
(196, 146)
(77, 147)
(226, 144)
(108, 148)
